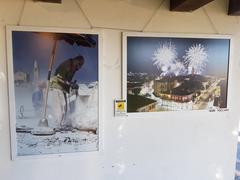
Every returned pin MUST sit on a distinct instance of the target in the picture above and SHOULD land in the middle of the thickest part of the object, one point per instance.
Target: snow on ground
(84, 115)
(170, 105)
(61, 142)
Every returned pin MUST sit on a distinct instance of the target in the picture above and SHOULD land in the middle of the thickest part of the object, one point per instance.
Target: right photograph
(237, 171)
(175, 72)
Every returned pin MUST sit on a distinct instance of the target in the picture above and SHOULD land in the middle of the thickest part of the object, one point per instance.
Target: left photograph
(54, 91)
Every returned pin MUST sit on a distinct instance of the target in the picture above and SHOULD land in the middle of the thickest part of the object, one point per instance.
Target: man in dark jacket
(60, 85)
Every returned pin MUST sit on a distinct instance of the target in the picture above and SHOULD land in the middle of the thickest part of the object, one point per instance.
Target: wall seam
(21, 13)
(152, 16)
(210, 20)
(84, 14)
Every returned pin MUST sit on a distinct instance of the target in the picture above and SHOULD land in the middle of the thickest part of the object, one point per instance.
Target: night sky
(31, 46)
(140, 51)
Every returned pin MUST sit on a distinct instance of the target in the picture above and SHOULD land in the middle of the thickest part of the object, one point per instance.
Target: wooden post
(187, 5)
(234, 8)
(50, 1)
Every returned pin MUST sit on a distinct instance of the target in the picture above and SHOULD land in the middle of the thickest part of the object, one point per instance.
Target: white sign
(120, 107)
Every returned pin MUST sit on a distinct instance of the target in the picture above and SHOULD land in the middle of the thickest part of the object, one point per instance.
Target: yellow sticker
(120, 105)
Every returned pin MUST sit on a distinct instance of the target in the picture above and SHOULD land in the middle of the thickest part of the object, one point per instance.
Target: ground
(63, 141)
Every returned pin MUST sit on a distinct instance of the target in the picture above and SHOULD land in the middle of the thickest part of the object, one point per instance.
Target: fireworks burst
(178, 68)
(196, 58)
(164, 56)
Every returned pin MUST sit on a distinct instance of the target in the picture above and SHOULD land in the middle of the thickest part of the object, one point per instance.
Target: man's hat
(80, 58)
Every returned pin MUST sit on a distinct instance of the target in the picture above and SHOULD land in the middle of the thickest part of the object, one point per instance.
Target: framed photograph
(167, 72)
(237, 170)
(54, 90)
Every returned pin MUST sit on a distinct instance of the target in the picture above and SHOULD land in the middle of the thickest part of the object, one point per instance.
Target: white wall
(173, 146)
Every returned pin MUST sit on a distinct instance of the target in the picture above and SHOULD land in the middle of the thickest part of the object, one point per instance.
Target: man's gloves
(74, 85)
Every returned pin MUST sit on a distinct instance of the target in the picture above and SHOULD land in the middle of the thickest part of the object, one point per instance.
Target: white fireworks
(164, 56)
(196, 59)
(177, 68)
